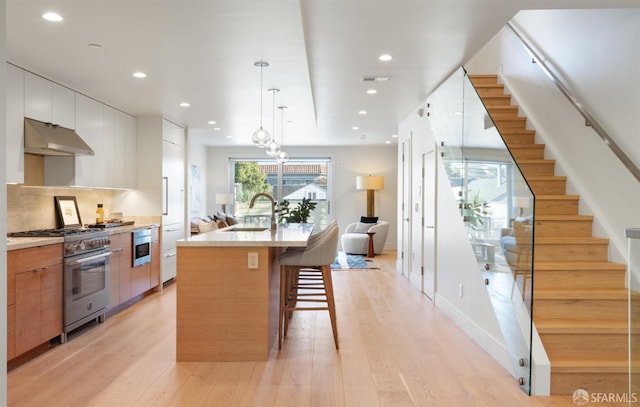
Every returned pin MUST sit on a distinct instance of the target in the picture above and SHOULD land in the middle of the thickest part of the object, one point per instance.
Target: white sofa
(355, 239)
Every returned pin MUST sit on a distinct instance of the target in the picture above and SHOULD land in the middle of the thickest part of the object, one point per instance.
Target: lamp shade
(370, 182)
(522, 202)
(224, 199)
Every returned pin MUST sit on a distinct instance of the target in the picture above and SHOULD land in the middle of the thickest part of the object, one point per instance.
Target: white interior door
(406, 207)
(428, 224)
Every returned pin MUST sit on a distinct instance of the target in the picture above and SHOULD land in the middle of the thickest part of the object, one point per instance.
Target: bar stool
(305, 280)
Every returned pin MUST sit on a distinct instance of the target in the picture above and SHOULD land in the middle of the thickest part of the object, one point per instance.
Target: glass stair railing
(496, 205)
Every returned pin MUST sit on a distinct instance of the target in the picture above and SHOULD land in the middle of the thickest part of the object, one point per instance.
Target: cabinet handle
(171, 255)
(88, 259)
(165, 196)
(172, 230)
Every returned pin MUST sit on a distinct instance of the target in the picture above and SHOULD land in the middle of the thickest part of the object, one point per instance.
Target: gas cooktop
(62, 232)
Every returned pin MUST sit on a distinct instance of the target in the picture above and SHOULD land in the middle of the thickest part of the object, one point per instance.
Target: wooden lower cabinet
(120, 268)
(11, 334)
(34, 313)
(125, 281)
(140, 279)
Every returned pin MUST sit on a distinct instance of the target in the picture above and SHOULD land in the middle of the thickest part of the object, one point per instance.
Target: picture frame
(67, 214)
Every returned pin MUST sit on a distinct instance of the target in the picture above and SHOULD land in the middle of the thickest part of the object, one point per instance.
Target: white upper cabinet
(109, 173)
(48, 102)
(15, 124)
(91, 171)
(120, 133)
(127, 149)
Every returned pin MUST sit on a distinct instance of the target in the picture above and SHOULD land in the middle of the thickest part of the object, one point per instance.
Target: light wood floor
(396, 349)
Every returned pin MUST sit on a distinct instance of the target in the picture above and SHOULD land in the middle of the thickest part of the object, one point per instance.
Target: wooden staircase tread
(564, 217)
(509, 119)
(581, 294)
(489, 85)
(547, 178)
(484, 76)
(510, 131)
(578, 326)
(536, 161)
(579, 265)
(571, 240)
(504, 107)
(602, 364)
(591, 358)
(557, 197)
(529, 146)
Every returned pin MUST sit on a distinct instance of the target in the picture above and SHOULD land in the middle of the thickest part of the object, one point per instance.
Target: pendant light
(282, 156)
(261, 137)
(273, 148)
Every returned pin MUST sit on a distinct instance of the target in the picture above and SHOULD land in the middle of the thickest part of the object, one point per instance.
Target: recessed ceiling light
(355, 128)
(217, 128)
(185, 104)
(228, 136)
(139, 75)
(51, 16)
(372, 91)
(387, 142)
(212, 122)
(385, 57)
(362, 112)
(394, 136)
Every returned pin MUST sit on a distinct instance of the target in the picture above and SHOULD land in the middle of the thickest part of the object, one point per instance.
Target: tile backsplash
(30, 208)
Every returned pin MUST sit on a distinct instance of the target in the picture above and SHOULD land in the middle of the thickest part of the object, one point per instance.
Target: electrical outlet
(252, 260)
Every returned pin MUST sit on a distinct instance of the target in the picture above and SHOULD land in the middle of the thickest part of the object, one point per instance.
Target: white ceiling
(203, 52)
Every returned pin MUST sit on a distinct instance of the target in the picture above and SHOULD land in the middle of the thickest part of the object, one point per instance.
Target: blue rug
(345, 261)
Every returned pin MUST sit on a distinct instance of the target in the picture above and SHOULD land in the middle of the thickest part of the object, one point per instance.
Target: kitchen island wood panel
(227, 305)
(225, 311)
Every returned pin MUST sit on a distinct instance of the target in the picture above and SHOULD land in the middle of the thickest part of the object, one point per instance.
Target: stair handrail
(590, 120)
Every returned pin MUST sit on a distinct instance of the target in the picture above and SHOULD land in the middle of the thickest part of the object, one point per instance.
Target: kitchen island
(228, 290)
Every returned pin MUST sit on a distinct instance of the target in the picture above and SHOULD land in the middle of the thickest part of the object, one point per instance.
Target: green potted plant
(474, 209)
(299, 214)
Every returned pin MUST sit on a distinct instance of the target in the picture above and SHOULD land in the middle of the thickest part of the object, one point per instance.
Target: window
(292, 181)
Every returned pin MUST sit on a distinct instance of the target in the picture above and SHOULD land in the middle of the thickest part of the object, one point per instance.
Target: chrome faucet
(273, 207)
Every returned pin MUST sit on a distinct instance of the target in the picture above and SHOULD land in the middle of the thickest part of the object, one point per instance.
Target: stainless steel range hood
(49, 139)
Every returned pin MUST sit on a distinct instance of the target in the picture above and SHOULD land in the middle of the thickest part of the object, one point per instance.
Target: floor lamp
(224, 200)
(370, 183)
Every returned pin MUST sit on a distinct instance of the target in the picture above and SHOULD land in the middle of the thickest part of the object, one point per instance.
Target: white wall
(347, 163)
(599, 52)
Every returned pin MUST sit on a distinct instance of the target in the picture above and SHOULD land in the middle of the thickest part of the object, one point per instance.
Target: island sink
(245, 229)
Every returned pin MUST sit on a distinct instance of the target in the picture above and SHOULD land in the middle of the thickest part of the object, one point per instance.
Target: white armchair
(355, 239)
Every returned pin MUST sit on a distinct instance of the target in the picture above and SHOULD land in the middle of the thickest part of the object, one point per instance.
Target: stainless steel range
(85, 274)
(86, 279)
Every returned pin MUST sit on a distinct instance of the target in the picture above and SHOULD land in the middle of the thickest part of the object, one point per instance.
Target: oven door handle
(91, 258)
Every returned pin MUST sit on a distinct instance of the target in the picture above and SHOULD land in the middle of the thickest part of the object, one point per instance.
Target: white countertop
(15, 243)
(286, 235)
